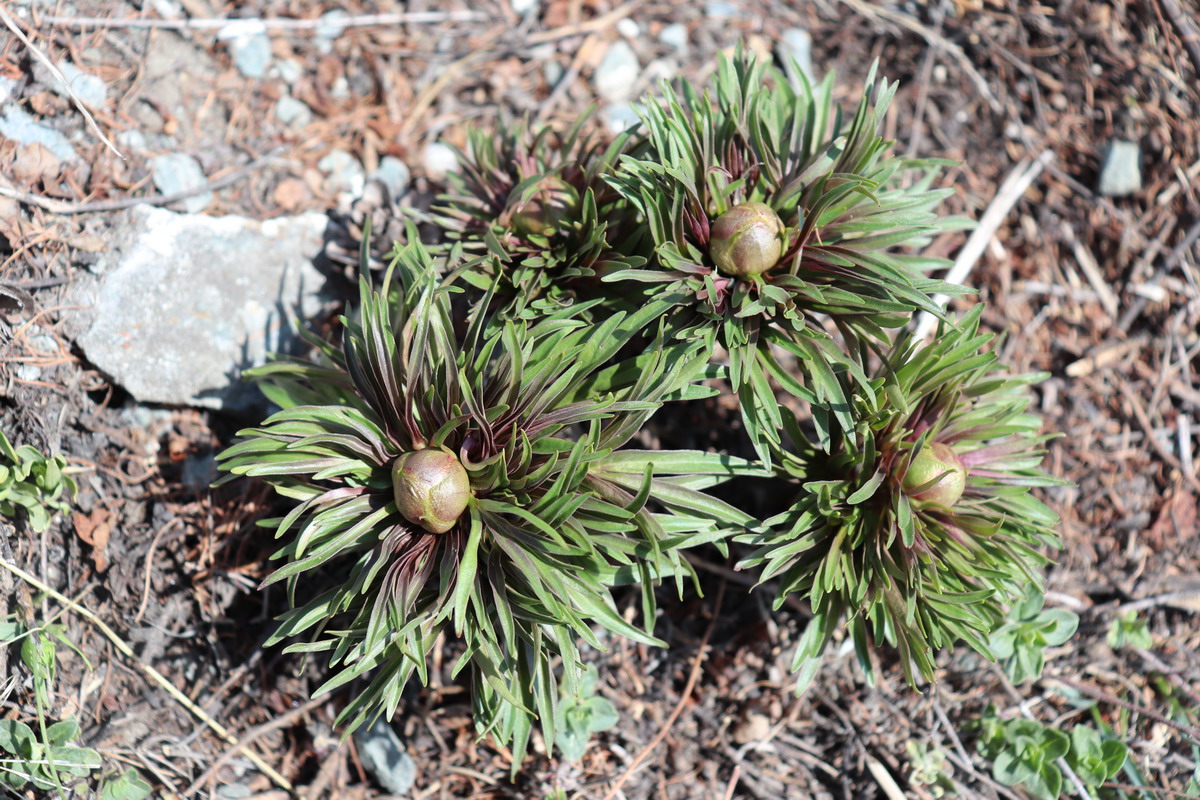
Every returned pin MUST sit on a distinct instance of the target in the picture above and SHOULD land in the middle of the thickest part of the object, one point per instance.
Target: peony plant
(472, 464)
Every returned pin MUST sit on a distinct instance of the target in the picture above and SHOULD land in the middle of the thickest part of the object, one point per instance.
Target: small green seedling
(33, 483)
(46, 764)
(930, 769)
(1020, 644)
(1023, 752)
(129, 785)
(1093, 760)
(1128, 630)
(581, 716)
(50, 761)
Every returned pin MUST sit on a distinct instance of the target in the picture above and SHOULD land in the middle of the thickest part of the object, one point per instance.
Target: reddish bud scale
(553, 203)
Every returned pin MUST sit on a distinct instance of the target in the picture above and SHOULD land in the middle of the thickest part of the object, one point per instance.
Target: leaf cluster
(569, 294)
(33, 483)
(1020, 643)
(1024, 752)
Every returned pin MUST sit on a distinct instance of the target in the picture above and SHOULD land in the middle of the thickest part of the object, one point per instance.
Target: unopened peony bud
(432, 488)
(936, 459)
(554, 202)
(746, 240)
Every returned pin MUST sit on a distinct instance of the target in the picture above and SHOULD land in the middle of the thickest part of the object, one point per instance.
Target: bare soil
(1102, 293)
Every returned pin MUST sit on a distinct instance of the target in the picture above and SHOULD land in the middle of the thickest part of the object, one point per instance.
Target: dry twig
(255, 24)
(1010, 191)
(934, 38)
(60, 207)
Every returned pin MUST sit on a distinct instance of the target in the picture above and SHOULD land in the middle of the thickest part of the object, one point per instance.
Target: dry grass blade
(272, 23)
(150, 672)
(1019, 179)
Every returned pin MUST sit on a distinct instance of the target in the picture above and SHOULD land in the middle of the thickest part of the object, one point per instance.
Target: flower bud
(936, 459)
(554, 202)
(746, 240)
(432, 488)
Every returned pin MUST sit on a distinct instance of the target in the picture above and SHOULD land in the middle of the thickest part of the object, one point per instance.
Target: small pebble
(7, 87)
(251, 54)
(344, 171)
(44, 343)
(383, 756)
(719, 9)
(131, 139)
(90, 90)
(525, 8)
(440, 159)
(553, 72)
(340, 90)
(28, 372)
(620, 117)
(332, 26)
(618, 72)
(179, 172)
(675, 36)
(289, 70)
(233, 791)
(628, 28)
(796, 44)
(394, 174)
(18, 125)
(1121, 174)
(292, 112)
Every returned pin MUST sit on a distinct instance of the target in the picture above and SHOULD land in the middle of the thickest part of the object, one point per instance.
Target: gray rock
(332, 26)
(292, 112)
(395, 175)
(675, 36)
(233, 791)
(720, 9)
(90, 90)
(796, 44)
(344, 171)
(383, 756)
(183, 303)
(1121, 174)
(251, 54)
(131, 139)
(7, 87)
(28, 372)
(179, 172)
(618, 72)
(18, 125)
(525, 8)
(553, 71)
(44, 343)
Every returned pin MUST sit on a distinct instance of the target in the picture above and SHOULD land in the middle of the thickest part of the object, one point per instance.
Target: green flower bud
(432, 488)
(746, 240)
(936, 459)
(554, 202)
